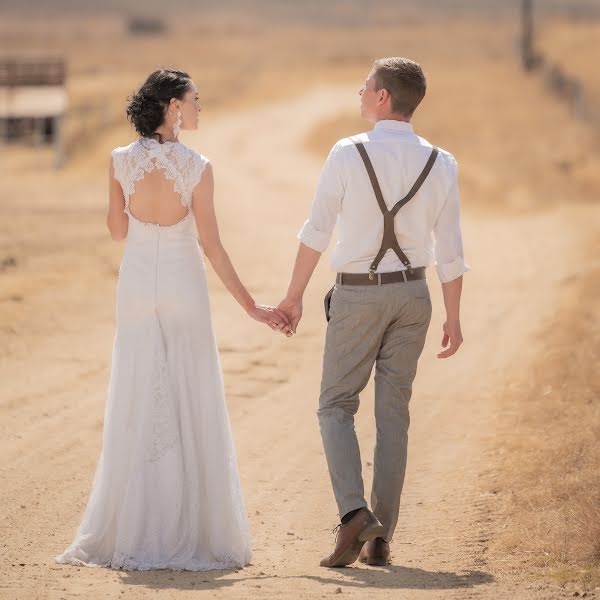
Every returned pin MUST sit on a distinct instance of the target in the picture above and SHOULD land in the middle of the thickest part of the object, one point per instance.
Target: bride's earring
(177, 124)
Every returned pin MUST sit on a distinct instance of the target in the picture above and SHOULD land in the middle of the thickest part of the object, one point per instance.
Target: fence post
(578, 100)
(59, 147)
(527, 53)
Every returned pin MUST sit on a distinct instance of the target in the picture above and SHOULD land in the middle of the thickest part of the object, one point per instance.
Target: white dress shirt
(427, 227)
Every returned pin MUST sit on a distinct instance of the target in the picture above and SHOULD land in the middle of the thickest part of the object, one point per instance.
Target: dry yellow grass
(547, 477)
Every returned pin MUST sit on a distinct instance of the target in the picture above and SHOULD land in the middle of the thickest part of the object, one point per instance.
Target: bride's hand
(271, 316)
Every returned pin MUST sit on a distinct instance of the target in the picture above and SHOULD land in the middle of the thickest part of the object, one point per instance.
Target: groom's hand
(452, 335)
(292, 308)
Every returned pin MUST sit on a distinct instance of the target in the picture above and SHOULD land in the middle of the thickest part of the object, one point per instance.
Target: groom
(392, 194)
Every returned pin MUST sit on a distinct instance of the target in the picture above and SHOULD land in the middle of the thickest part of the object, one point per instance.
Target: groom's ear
(383, 96)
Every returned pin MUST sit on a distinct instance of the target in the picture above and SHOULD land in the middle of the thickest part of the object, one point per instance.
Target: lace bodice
(181, 164)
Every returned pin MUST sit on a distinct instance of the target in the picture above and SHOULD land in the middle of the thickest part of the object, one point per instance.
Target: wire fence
(571, 89)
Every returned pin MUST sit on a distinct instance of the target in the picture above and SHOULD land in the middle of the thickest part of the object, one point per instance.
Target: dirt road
(55, 375)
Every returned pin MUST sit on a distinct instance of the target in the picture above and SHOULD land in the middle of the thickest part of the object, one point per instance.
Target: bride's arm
(116, 220)
(208, 229)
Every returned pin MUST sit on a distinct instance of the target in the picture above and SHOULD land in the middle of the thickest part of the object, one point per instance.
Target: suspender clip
(371, 275)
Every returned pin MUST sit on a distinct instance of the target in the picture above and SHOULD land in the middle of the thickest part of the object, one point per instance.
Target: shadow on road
(391, 577)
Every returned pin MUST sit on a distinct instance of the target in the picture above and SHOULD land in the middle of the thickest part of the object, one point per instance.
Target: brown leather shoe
(375, 553)
(363, 526)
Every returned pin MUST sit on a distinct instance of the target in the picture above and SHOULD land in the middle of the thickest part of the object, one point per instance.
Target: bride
(166, 491)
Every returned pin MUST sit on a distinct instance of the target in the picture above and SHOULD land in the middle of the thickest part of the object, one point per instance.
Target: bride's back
(156, 201)
(157, 179)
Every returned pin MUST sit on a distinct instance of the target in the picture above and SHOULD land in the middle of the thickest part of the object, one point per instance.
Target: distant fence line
(560, 83)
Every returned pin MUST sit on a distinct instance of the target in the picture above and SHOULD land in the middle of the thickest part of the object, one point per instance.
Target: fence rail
(23, 72)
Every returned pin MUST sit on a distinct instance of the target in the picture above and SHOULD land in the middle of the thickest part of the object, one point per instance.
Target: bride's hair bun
(146, 108)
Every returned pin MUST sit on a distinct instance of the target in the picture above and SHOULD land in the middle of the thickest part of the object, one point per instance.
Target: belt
(380, 278)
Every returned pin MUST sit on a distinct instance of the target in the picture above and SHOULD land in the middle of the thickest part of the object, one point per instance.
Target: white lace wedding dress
(166, 491)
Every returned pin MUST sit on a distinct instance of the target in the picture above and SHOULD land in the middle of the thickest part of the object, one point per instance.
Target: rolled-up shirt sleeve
(318, 228)
(449, 257)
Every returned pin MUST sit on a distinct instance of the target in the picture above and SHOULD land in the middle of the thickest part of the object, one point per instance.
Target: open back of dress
(155, 200)
(157, 180)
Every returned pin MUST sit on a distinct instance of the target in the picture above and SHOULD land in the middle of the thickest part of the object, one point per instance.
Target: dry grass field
(547, 478)
(501, 495)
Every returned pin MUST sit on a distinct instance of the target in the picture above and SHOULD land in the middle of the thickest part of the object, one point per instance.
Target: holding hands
(292, 309)
(276, 319)
(284, 318)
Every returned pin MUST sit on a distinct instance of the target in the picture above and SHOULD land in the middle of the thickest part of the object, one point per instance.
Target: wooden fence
(18, 72)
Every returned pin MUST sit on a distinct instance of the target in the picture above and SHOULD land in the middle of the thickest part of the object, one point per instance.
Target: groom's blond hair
(404, 80)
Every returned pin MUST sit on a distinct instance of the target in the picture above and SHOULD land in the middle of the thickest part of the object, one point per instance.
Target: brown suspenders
(390, 242)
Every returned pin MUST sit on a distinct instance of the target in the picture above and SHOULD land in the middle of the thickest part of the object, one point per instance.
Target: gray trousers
(383, 325)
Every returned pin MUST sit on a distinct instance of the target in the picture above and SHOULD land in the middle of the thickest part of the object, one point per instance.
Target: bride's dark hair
(146, 108)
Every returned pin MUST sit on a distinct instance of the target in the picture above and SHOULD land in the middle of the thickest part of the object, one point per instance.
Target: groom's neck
(392, 117)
